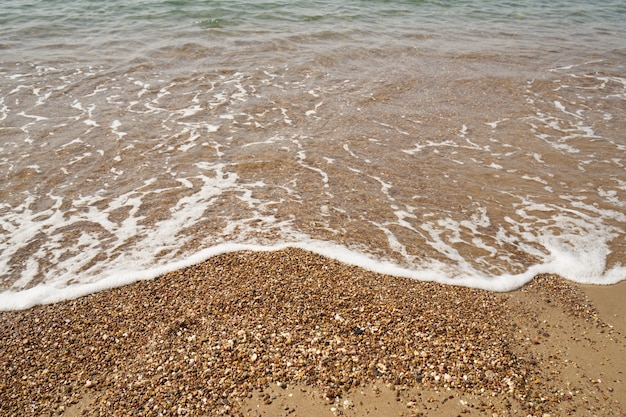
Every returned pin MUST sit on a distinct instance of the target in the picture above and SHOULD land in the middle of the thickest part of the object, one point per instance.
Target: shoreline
(294, 333)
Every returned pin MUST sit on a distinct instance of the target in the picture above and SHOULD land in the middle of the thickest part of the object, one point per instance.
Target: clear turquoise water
(469, 142)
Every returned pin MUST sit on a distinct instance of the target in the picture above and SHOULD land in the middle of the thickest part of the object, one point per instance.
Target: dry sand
(290, 333)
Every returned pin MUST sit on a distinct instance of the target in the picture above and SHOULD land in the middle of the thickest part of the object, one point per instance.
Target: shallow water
(474, 143)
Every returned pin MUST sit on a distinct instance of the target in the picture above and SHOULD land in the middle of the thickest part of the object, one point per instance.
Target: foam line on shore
(47, 294)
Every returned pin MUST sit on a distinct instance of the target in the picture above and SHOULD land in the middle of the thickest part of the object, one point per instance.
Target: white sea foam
(32, 116)
(581, 260)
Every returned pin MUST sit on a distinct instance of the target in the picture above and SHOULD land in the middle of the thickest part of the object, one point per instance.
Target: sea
(475, 143)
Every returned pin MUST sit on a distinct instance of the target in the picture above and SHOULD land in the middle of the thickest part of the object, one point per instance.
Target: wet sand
(290, 333)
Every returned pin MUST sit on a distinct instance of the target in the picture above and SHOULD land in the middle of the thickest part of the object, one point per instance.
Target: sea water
(473, 143)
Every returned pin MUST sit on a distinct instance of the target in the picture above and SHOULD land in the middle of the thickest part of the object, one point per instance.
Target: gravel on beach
(214, 337)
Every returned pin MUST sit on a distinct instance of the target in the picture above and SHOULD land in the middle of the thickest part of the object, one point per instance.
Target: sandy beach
(290, 333)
